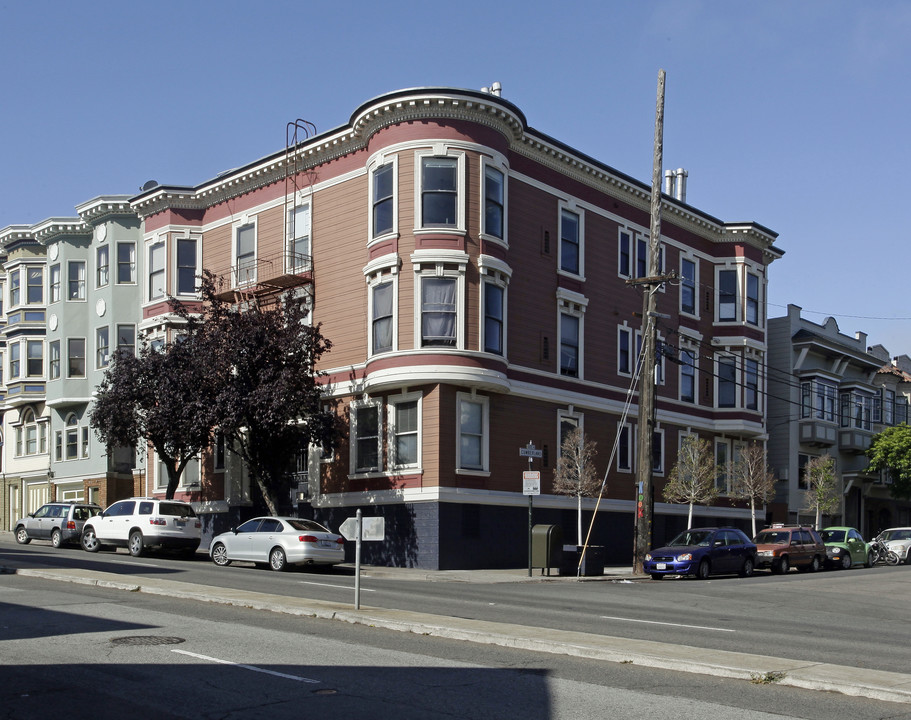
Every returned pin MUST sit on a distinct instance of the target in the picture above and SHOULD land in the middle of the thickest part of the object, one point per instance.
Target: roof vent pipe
(669, 182)
(680, 190)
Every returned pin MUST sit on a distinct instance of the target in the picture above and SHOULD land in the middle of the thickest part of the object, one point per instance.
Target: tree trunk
(267, 497)
(818, 516)
(753, 514)
(689, 517)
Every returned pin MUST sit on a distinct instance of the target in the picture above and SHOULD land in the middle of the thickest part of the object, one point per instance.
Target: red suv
(782, 547)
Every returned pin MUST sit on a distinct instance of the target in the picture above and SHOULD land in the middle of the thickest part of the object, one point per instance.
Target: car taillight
(341, 541)
(70, 525)
(307, 538)
(198, 524)
(157, 521)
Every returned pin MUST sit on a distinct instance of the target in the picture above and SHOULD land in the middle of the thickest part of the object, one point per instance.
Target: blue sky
(790, 114)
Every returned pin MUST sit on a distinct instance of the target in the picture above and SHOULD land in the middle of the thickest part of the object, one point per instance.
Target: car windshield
(833, 536)
(692, 537)
(773, 537)
(903, 534)
(306, 525)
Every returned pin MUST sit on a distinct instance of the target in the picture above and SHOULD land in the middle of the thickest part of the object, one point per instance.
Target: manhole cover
(147, 640)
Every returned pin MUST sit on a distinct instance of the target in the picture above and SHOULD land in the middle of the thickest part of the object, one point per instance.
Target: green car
(845, 548)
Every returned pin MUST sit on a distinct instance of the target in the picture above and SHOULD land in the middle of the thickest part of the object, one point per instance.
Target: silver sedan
(280, 542)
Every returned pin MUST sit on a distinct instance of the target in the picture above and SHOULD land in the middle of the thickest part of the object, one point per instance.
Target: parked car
(782, 547)
(898, 540)
(59, 522)
(845, 548)
(140, 523)
(703, 552)
(280, 542)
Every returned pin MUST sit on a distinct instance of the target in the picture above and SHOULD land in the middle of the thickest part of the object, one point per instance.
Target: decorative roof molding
(103, 207)
(55, 228)
(492, 111)
(16, 233)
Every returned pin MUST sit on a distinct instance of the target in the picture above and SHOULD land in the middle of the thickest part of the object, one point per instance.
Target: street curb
(761, 669)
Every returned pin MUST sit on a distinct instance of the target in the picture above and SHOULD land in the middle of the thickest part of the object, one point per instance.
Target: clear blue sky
(790, 114)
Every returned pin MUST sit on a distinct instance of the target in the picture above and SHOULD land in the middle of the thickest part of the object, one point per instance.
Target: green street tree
(160, 396)
(269, 403)
(890, 451)
(692, 479)
(575, 472)
(752, 480)
(823, 495)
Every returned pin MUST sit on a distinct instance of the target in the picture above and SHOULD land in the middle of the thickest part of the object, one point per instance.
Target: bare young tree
(575, 472)
(692, 479)
(752, 480)
(823, 495)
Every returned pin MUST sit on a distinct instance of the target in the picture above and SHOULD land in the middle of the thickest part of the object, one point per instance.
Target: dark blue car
(703, 552)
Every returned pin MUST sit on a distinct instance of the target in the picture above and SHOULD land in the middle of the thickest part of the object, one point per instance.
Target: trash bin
(546, 547)
(592, 562)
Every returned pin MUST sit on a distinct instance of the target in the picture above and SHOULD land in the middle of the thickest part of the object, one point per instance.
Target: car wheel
(90, 541)
(657, 576)
(846, 561)
(277, 560)
(782, 566)
(136, 543)
(703, 571)
(220, 555)
(816, 564)
(22, 535)
(747, 569)
(868, 563)
(56, 538)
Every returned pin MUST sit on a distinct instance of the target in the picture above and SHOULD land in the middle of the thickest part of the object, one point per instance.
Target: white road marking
(656, 622)
(343, 587)
(246, 667)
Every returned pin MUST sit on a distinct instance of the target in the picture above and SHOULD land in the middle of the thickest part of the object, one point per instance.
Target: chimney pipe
(669, 182)
(680, 190)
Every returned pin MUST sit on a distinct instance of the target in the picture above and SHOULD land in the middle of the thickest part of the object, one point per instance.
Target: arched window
(31, 437)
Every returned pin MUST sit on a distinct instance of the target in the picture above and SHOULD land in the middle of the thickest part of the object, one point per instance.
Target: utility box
(592, 561)
(546, 547)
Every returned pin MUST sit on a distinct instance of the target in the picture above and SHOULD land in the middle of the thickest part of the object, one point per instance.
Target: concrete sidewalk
(877, 684)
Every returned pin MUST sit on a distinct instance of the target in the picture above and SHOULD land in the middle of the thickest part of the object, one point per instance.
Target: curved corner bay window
(406, 433)
(438, 312)
(382, 200)
(493, 202)
(439, 192)
(471, 433)
(382, 317)
(493, 318)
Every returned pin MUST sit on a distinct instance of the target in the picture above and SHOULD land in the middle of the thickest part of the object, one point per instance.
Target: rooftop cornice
(15, 233)
(105, 206)
(54, 228)
(453, 104)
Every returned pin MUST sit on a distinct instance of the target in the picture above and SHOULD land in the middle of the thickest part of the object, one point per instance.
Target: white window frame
(392, 404)
(630, 252)
(296, 262)
(53, 363)
(497, 273)
(29, 269)
(738, 303)
(439, 151)
(101, 363)
(572, 208)
(14, 284)
(247, 278)
(499, 165)
(758, 299)
(719, 357)
(197, 240)
(573, 304)
(658, 442)
(695, 284)
(117, 337)
(378, 163)
(746, 387)
(69, 375)
(630, 333)
(81, 293)
(14, 355)
(626, 428)
(54, 283)
(104, 281)
(484, 449)
(356, 407)
(378, 272)
(571, 418)
(684, 349)
(131, 264)
(439, 263)
(158, 245)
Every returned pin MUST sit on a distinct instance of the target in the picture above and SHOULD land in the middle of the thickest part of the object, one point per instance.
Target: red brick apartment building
(471, 273)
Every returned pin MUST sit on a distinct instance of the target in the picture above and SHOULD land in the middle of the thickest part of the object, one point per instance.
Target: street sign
(372, 528)
(530, 451)
(531, 483)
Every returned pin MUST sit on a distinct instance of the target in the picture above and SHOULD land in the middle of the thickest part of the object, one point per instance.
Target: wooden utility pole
(647, 379)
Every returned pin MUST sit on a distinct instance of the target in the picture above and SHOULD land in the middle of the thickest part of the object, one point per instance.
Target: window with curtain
(382, 321)
(438, 312)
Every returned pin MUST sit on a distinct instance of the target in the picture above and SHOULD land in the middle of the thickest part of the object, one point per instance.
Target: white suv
(140, 523)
